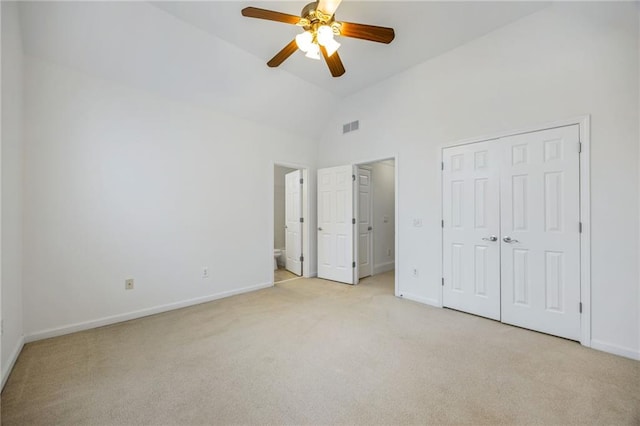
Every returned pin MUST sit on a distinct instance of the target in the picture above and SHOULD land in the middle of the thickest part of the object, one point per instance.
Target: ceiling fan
(320, 27)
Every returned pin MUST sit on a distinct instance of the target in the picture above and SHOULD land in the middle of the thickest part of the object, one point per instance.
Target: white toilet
(278, 255)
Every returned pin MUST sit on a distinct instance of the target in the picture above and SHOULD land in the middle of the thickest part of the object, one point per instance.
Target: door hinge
(301, 258)
(353, 221)
(442, 223)
(580, 307)
(579, 147)
(353, 177)
(353, 265)
(442, 165)
(580, 227)
(442, 281)
(302, 220)
(301, 181)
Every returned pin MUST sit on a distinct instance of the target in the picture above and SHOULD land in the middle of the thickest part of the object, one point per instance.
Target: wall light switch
(128, 284)
(417, 222)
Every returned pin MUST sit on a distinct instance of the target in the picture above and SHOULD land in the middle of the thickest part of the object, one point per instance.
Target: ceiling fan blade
(282, 55)
(367, 32)
(270, 15)
(333, 62)
(328, 6)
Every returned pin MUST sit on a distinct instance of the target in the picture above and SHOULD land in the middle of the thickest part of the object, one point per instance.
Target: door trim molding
(584, 126)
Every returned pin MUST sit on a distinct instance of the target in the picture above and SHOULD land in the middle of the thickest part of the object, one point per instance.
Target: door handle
(370, 228)
(319, 229)
(508, 239)
(491, 238)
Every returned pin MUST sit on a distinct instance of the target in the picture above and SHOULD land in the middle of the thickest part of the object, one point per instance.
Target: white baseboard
(615, 349)
(101, 322)
(12, 361)
(420, 299)
(384, 267)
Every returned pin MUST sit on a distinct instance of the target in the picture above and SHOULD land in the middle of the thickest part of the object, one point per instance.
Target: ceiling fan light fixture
(318, 20)
(324, 34)
(313, 52)
(331, 47)
(304, 41)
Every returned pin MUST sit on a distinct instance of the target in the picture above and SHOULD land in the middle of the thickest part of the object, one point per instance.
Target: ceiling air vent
(350, 127)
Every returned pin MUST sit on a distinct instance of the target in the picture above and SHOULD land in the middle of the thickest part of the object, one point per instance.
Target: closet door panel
(540, 214)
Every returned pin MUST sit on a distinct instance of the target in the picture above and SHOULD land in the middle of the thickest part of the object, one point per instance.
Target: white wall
(122, 183)
(139, 45)
(567, 60)
(12, 336)
(279, 198)
(383, 178)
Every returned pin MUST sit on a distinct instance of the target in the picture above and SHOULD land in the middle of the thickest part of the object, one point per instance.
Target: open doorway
(375, 223)
(288, 220)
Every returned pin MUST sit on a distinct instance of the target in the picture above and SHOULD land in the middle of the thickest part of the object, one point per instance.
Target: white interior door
(471, 215)
(293, 222)
(335, 224)
(365, 223)
(540, 231)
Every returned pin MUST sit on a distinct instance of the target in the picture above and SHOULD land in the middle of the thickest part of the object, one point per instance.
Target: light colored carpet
(315, 352)
(282, 274)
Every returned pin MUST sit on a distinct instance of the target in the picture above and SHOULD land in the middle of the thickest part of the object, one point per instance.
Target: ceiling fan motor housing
(312, 18)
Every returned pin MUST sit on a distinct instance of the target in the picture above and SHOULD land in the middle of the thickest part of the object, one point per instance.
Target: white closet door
(540, 209)
(471, 214)
(293, 213)
(335, 224)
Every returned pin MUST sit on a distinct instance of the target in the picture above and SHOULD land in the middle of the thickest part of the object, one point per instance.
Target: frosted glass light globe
(304, 41)
(313, 52)
(325, 35)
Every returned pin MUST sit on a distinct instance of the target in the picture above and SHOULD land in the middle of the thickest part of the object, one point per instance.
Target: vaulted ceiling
(424, 29)
(206, 53)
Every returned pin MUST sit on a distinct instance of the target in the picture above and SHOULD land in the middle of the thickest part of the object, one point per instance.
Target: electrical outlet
(128, 284)
(205, 272)
(415, 272)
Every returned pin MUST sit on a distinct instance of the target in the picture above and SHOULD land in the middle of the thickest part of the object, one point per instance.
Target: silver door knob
(491, 238)
(319, 229)
(508, 239)
(370, 228)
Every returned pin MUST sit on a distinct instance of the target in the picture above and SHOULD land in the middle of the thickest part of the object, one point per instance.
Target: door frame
(584, 125)
(306, 208)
